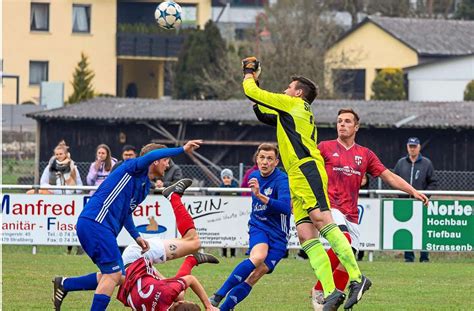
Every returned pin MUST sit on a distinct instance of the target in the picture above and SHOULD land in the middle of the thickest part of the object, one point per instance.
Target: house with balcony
(43, 41)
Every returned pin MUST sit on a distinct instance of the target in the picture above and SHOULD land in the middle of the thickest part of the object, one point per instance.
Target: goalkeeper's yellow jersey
(296, 129)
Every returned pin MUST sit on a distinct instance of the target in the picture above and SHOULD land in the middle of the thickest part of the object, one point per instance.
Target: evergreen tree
(82, 82)
(200, 53)
(469, 91)
(465, 10)
(388, 85)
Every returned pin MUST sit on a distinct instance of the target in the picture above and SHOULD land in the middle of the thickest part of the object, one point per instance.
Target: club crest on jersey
(268, 191)
(358, 160)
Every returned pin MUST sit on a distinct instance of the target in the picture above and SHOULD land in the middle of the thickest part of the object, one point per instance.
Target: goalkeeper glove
(251, 65)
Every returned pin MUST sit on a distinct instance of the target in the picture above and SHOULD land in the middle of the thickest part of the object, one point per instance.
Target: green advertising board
(443, 225)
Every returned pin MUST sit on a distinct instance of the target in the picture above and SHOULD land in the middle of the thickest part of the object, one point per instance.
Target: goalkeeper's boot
(59, 293)
(333, 301)
(356, 290)
(178, 187)
(205, 258)
(215, 300)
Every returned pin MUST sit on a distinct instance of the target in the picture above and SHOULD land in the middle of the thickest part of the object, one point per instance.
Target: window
(39, 18)
(350, 83)
(81, 18)
(38, 72)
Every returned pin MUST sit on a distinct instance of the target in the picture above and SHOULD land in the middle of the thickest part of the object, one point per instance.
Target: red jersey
(345, 169)
(143, 290)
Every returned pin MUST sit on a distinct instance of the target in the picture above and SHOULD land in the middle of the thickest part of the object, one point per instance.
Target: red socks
(188, 264)
(184, 222)
(340, 277)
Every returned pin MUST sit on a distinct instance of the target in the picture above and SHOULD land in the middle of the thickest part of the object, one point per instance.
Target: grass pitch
(443, 284)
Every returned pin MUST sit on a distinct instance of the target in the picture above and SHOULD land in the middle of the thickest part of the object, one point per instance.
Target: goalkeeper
(292, 116)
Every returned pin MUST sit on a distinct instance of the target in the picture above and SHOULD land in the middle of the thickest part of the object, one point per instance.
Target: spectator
(101, 168)
(245, 179)
(227, 178)
(128, 152)
(228, 181)
(172, 174)
(60, 171)
(418, 171)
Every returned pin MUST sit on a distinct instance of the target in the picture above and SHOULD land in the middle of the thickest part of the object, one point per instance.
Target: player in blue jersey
(268, 229)
(110, 209)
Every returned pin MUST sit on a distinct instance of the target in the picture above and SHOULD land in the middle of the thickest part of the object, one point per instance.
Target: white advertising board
(221, 221)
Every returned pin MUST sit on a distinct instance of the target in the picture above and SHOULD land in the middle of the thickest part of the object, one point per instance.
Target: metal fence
(447, 180)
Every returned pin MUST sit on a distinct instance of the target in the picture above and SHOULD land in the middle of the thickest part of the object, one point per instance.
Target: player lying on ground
(297, 136)
(159, 252)
(268, 229)
(145, 289)
(346, 163)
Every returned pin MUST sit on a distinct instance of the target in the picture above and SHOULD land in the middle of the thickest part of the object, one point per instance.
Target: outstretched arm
(145, 160)
(399, 183)
(198, 289)
(278, 102)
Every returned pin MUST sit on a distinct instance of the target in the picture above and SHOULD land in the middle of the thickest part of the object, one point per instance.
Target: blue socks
(85, 282)
(240, 274)
(236, 295)
(100, 302)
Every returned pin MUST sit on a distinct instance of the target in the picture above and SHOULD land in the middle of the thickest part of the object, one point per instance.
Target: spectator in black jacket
(418, 171)
(128, 152)
(172, 174)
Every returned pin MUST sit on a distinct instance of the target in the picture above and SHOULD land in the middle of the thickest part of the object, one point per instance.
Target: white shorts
(353, 228)
(156, 254)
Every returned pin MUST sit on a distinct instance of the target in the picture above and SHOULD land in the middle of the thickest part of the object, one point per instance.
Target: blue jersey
(126, 187)
(273, 217)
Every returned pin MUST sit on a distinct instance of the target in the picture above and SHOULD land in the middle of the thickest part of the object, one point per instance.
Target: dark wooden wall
(449, 149)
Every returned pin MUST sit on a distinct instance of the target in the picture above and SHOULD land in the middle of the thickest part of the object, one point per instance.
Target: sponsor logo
(402, 226)
(152, 227)
(268, 191)
(335, 154)
(346, 170)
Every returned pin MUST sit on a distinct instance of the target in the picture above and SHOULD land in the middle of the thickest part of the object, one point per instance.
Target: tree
(469, 91)
(301, 33)
(465, 10)
(201, 51)
(82, 82)
(388, 85)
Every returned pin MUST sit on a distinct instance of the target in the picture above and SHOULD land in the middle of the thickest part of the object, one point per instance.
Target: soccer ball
(168, 15)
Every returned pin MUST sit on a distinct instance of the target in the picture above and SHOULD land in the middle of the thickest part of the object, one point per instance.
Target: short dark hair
(128, 148)
(267, 147)
(185, 306)
(349, 110)
(151, 147)
(309, 88)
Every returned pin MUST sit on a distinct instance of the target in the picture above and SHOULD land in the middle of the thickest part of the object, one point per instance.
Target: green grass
(12, 169)
(444, 284)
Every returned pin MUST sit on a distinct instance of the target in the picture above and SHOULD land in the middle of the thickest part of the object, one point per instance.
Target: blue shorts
(100, 244)
(276, 249)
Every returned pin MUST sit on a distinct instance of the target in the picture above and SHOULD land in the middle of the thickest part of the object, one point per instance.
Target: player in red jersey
(144, 289)
(346, 163)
